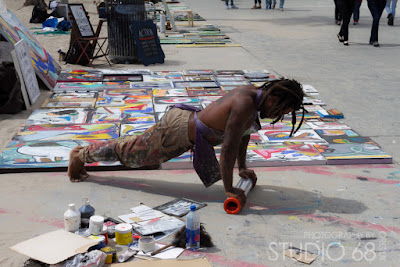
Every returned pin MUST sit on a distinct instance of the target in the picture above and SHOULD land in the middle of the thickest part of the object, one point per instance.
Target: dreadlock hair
(290, 95)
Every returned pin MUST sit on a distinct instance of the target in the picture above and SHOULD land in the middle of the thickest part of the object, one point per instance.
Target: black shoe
(390, 20)
(346, 43)
(376, 44)
(340, 38)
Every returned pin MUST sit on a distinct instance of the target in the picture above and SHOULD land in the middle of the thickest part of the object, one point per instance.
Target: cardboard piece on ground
(54, 247)
(166, 263)
(300, 255)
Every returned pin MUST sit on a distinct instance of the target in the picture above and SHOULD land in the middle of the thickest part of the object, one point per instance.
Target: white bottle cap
(97, 219)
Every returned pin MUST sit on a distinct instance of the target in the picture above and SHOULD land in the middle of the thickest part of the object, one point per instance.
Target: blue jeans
(226, 2)
(376, 8)
(281, 3)
(391, 10)
(356, 11)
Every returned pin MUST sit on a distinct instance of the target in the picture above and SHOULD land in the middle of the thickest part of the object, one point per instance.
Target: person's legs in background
(391, 10)
(346, 8)
(281, 3)
(338, 16)
(356, 11)
(376, 8)
(273, 4)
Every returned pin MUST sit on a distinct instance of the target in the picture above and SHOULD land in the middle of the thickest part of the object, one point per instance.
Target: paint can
(111, 254)
(105, 233)
(100, 245)
(147, 244)
(96, 225)
(123, 233)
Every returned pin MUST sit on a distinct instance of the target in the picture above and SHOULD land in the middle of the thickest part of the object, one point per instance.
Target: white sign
(24, 63)
(79, 14)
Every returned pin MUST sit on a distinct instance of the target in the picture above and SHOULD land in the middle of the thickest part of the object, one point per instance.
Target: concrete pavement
(347, 214)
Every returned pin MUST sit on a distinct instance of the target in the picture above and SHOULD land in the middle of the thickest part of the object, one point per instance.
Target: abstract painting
(305, 136)
(79, 86)
(80, 76)
(125, 92)
(55, 132)
(122, 77)
(206, 92)
(69, 103)
(58, 116)
(344, 137)
(353, 154)
(74, 95)
(169, 92)
(209, 84)
(327, 125)
(285, 155)
(284, 125)
(151, 85)
(133, 116)
(134, 129)
(14, 30)
(176, 100)
(105, 115)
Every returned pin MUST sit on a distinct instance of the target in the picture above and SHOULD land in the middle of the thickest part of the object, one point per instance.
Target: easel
(170, 16)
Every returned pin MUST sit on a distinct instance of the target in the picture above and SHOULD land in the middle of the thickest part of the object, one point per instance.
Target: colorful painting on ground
(353, 154)
(42, 154)
(344, 137)
(133, 116)
(284, 125)
(79, 86)
(134, 129)
(305, 136)
(55, 132)
(122, 77)
(14, 30)
(80, 76)
(74, 95)
(206, 92)
(125, 92)
(69, 103)
(169, 92)
(58, 116)
(176, 100)
(285, 155)
(327, 125)
(105, 115)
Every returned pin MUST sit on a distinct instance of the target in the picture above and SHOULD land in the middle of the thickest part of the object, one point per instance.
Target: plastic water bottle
(72, 219)
(86, 211)
(193, 229)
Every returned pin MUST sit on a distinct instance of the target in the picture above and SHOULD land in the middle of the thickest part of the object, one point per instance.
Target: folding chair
(82, 33)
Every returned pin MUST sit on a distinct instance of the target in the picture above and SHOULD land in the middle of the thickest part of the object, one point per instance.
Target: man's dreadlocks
(290, 95)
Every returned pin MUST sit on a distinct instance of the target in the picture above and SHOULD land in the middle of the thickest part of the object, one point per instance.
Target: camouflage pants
(165, 140)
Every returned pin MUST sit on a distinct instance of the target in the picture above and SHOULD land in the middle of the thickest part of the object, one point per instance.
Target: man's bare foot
(76, 168)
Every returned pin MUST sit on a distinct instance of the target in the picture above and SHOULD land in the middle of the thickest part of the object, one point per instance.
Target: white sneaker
(227, 7)
(234, 7)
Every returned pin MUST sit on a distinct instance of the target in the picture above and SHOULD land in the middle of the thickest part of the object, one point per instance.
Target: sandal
(341, 38)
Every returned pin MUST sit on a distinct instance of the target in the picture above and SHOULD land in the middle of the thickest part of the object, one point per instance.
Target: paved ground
(347, 214)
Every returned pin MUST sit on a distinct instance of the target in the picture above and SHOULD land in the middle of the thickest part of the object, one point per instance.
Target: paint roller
(232, 205)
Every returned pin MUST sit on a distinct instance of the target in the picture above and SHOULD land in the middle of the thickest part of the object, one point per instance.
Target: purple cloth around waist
(204, 161)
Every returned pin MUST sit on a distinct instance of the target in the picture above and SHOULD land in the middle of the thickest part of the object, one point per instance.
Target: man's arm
(241, 161)
(234, 130)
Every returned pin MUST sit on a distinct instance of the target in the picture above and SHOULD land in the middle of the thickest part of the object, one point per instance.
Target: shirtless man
(230, 120)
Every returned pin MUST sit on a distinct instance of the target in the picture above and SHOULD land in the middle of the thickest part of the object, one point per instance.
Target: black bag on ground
(75, 51)
(11, 100)
(39, 15)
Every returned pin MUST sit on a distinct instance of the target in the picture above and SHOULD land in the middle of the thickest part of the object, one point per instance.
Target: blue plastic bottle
(193, 229)
(86, 212)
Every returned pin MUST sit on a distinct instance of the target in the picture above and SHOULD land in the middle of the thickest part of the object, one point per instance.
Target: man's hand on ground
(238, 194)
(248, 174)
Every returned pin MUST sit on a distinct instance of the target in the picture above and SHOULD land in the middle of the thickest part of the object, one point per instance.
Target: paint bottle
(123, 234)
(86, 211)
(72, 219)
(193, 229)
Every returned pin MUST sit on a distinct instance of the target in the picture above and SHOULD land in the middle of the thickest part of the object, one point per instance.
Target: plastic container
(86, 211)
(232, 205)
(96, 225)
(72, 219)
(123, 234)
(193, 229)
(101, 239)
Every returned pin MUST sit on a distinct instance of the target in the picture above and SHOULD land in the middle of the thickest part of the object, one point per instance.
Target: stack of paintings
(96, 106)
